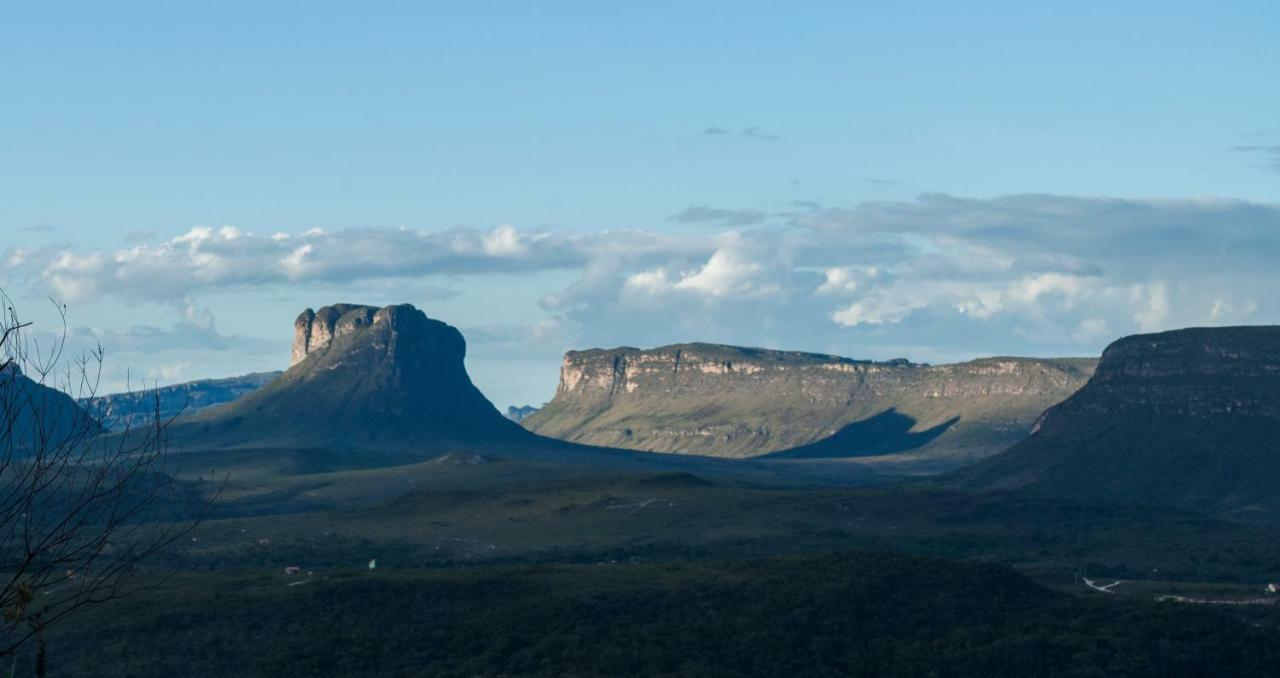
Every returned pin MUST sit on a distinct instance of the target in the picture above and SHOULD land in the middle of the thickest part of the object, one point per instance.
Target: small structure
(1273, 588)
(373, 564)
(292, 569)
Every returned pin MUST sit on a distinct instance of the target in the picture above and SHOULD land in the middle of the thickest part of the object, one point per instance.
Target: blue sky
(932, 180)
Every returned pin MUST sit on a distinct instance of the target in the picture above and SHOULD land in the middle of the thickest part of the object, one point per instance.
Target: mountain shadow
(886, 433)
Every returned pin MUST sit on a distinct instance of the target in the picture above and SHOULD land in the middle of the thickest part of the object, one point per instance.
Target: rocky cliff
(363, 378)
(1188, 418)
(138, 408)
(743, 402)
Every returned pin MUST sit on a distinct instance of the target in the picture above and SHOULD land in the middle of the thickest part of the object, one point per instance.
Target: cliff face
(1188, 418)
(138, 408)
(742, 402)
(1197, 372)
(367, 378)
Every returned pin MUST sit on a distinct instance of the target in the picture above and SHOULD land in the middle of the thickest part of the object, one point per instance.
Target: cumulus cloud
(935, 277)
(206, 258)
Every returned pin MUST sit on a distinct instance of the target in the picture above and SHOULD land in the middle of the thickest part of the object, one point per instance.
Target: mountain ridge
(1187, 418)
(746, 402)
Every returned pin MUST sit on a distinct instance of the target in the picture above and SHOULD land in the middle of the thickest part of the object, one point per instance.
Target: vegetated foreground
(842, 614)
(502, 567)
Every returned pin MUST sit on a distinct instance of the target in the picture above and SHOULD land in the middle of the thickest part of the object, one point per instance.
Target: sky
(930, 180)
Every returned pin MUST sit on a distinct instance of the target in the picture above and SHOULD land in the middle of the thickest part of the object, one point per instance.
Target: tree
(81, 507)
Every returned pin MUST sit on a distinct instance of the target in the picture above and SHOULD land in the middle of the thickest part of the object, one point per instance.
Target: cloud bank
(937, 277)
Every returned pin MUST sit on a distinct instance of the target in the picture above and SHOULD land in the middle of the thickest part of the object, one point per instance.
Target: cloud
(703, 214)
(752, 133)
(1272, 153)
(935, 277)
(756, 134)
(193, 330)
(206, 258)
(950, 276)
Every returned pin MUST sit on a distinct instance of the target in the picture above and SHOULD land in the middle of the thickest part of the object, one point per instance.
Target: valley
(371, 494)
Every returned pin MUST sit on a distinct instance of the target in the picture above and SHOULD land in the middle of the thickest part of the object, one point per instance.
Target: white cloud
(875, 311)
(726, 272)
(937, 275)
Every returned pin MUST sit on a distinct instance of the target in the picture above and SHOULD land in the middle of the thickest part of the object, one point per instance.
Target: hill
(363, 378)
(744, 402)
(136, 408)
(1188, 418)
(36, 417)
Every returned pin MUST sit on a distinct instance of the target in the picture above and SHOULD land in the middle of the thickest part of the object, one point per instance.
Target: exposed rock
(1188, 418)
(362, 378)
(138, 408)
(741, 402)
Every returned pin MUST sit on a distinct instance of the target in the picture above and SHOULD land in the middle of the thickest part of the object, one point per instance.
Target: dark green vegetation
(859, 614)
(742, 402)
(449, 512)
(1189, 418)
(503, 553)
(139, 408)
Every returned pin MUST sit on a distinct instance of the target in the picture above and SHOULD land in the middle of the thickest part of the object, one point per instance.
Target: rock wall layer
(743, 402)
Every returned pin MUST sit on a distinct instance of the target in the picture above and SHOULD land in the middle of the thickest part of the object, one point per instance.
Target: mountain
(361, 378)
(1188, 418)
(35, 417)
(746, 402)
(138, 408)
(519, 414)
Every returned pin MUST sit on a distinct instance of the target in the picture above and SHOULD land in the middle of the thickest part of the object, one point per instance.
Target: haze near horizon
(934, 182)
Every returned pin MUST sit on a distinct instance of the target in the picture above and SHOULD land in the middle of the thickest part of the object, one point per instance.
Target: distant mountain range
(744, 402)
(1188, 418)
(519, 414)
(139, 408)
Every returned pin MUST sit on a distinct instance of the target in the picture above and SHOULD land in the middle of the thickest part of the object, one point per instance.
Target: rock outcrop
(138, 408)
(1188, 418)
(744, 402)
(363, 378)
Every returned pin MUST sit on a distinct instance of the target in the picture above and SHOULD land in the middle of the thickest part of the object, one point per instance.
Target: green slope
(740, 402)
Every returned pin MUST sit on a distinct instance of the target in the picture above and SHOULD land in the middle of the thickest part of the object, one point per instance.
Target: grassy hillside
(737, 402)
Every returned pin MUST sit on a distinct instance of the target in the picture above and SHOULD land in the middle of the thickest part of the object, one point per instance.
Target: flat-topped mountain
(138, 408)
(744, 402)
(1188, 418)
(362, 378)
